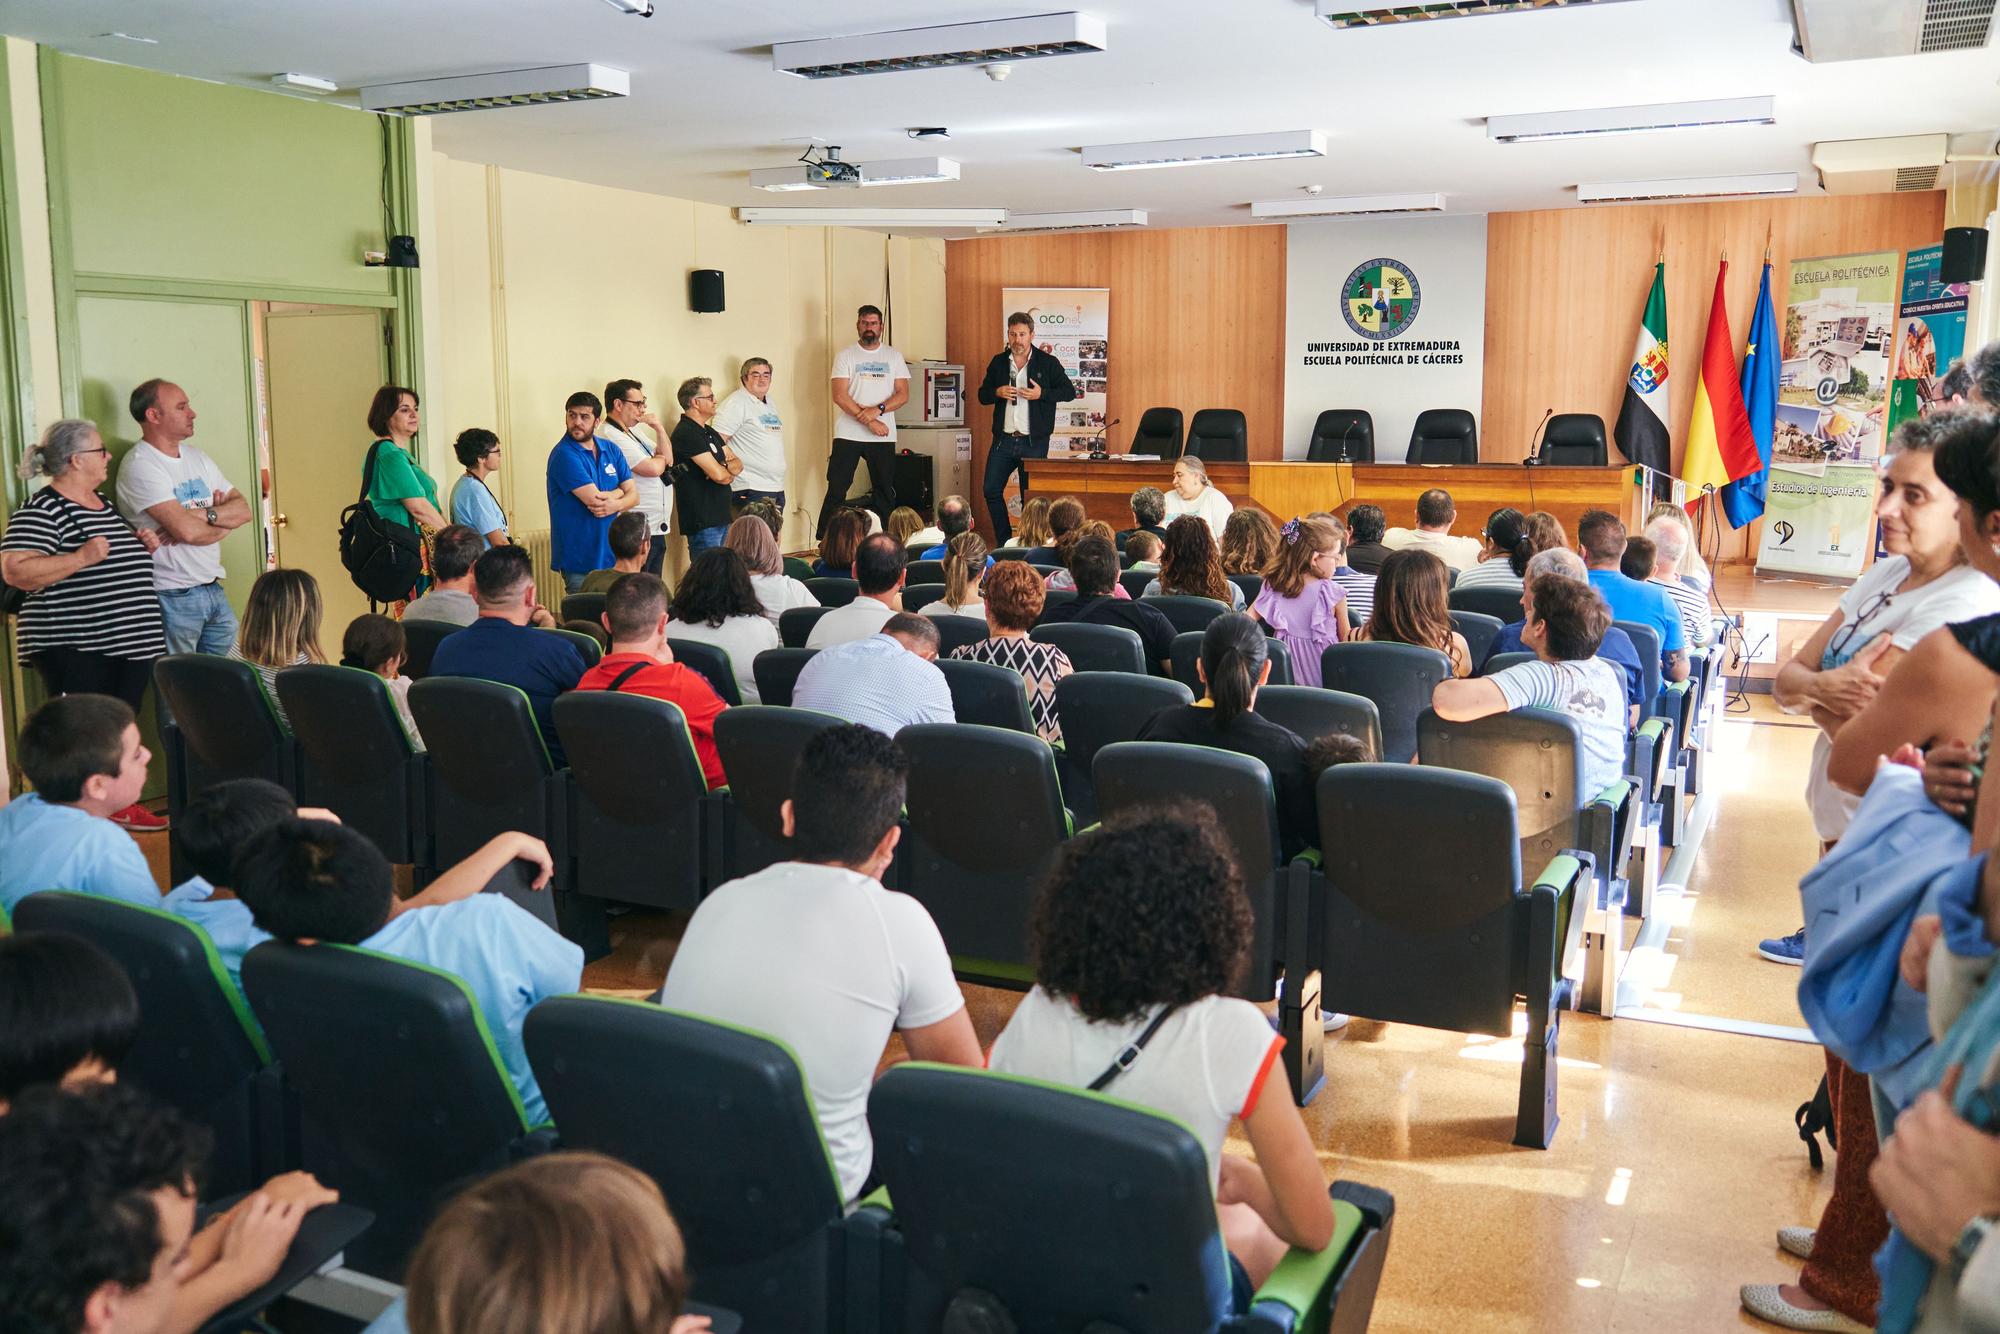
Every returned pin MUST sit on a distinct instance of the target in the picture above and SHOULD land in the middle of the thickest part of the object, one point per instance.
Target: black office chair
(420, 641)
(1187, 613)
(1502, 604)
(712, 661)
(637, 799)
(1131, 1243)
(1315, 711)
(1342, 435)
(1158, 432)
(1574, 440)
(1095, 648)
(795, 624)
(987, 694)
(1218, 435)
(776, 672)
(583, 607)
(721, 1119)
(1444, 435)
(1398, 677)
(587, 645)
(760, 745)
(986, 815)
(1187, 657)
(918, 596)
(833, 591)
(1479, 630)
(955, 632)
(357, 760)
(1097, 709)
(1134, 581)
(924, 572)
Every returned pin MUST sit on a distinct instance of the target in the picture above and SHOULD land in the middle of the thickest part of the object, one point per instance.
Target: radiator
(548, 584)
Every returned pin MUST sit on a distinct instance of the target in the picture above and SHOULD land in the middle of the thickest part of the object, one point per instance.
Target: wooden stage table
(1284, 489)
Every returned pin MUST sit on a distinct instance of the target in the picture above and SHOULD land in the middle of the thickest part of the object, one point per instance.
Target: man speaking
(1023, 384)
(870, 381)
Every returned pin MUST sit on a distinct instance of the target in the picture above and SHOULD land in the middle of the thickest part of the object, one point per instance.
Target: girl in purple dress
(1300, 601)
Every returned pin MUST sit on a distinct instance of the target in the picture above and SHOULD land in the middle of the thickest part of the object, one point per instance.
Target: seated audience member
(1300, 601)
(1637, 560)
(375, 643)
(1410, 608)
(1143, 551)
(777, 592)
(280, 629)
(1366, 525)
(717, 604)
(1617, 647)
(503, 645)
(1602, 538)
(1359, 587)
(774, 519)
(314, 881)
(1062, 580)
(1031, 528)
(879, 568)
(68, 1014)
(1149, 515)
(844, 532)
(904, 525)
(631, 544)
(1693, 570)
(1211, 1060)
(1323, 753)
(1545, 531)
(1194, 494)
(1669, 540)
(1014, 599)
(451, 598)
(887, 681)
(1190, 566)
(1235, 663)
(1066, 515)
(818, 954)
(1094, 565)
(84, 757)
(1249, 542)
(965, 563)
(1566, 623)
(954, 516)
(640, 663)
(212, 826)
(1435, 515)
(1503, 554)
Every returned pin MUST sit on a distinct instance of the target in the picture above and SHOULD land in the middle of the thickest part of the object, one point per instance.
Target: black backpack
(385, 559)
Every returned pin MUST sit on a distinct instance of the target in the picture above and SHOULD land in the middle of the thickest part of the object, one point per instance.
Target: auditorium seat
(197, 1048)
(721, 1119)
(1009, 553)
(1095, 648)
(583, 607)
(986, 815)
(760, 745)
(1312, 712)
(1342, 434)
(776, 672)
(1097, 709)
(1251, 584)
(957, 631)
(1503, 604)
(1500, 662)
(1218, 435)
(224, 727)
(1398, 677)
(637, 800)
(987, 694)
(984, 1171)
(1425, 921)
(1656, 750)
(795, 624)
(420, 640)
(924, 572)
(1574, 440)
(1444, 435)
(1158, 432)
(1479, 631)
(1187, 656)
(1134, 581)
(712, 661)
(357, 760)
(1185, 611)
(918, 596)
(588, 645)
(831, 591)
(1057, 596)
(402, 1092)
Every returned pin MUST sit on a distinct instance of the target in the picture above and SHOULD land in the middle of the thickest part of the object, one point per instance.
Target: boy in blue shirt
(83, 754)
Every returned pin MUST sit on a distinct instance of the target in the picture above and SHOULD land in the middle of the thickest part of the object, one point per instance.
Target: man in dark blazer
(1023, 384)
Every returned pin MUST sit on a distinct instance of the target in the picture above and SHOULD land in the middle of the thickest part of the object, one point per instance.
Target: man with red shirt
(640, 663)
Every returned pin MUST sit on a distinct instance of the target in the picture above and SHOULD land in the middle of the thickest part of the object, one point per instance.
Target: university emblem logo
(1380, 298)
(1650, 372)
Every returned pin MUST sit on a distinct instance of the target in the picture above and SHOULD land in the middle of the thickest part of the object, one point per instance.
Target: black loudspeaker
(914, 484)
(1964, 255)
(705, 291)
(402, 252)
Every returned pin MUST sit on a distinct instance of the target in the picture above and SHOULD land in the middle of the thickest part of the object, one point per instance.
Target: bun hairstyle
(1507, 530)
(1233, 653)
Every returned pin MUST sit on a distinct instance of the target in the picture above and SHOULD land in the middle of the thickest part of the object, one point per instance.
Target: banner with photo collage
(1073, 325)
(1930, 335)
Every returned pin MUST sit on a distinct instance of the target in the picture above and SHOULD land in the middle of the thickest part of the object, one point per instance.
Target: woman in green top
(402, 492)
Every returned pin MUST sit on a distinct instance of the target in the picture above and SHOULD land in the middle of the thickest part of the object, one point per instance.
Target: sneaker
(1766, 1302)
(1796, 1241)
(1785, 949)
(139, 820)
(1332, 1021)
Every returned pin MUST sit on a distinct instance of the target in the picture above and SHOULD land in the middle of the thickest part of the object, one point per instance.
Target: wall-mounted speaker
(705, 291)
(1964, 255)
(402, 252)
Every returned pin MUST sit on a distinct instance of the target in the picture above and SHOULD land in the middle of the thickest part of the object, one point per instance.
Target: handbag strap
(368, 471)
(1130, 1053)
(626, 675)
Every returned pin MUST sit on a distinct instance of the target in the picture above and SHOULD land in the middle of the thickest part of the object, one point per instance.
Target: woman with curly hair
(1249, 541)
(1014, 601)
(1189, 566)
(1410, 608)
(844, 532)
(1143, 928)
(1301, 601)
(717, 604)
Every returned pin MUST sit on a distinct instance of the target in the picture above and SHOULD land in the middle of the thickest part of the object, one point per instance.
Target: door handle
(278, 521)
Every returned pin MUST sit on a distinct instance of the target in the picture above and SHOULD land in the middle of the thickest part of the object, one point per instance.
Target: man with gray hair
(705, 468)
(1670, 539)
(1149, 515)
(886, 681)
(748, 421)
(1983, 369)
(1617, 648)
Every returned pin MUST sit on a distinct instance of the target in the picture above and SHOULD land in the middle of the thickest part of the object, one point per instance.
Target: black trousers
(880, 456)
(69, 671)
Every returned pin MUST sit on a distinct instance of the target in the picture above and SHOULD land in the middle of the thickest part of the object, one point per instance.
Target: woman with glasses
(472, 500)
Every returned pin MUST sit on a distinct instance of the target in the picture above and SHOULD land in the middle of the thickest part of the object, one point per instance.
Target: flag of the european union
(1743, 499)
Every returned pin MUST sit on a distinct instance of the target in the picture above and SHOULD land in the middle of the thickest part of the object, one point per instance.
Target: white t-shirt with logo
(871, 377)
(147, 477)
(751, 426)
(656, 498)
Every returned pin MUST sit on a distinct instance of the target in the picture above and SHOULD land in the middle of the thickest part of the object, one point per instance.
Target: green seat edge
(1302, 1277)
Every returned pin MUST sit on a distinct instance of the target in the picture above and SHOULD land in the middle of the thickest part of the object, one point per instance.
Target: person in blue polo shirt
(1602, 538)
(503, 646)
(589, 483)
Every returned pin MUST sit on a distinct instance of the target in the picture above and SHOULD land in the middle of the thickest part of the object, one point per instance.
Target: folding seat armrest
(1309, 1288)
(867, 1252)
(1610, 821)
(1562, 881)
(1312, 857)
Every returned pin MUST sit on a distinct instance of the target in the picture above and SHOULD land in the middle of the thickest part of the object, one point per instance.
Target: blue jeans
(1008, 453)
(701, 539)
(198, 620)
(573, 580)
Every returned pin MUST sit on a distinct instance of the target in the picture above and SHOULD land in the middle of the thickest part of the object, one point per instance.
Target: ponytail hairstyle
(1298, 542)
(372, 641)
(964, 563)
(1410, 602)
(1189, 564)
(1233, 653)
(1507, 532)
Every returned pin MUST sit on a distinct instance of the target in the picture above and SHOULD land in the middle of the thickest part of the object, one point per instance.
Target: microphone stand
(1343, 442)
(1534, 459)
(1097, 446)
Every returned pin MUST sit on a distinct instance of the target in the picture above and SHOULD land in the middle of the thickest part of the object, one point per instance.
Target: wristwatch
(211, 516)
(1970, 1238)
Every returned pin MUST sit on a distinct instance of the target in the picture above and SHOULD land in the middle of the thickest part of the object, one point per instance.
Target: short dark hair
(1149, 506)
(876, 311)
(1968, 457)
(716, 587)
(472, 444)
(1020, 317)
(628, 535)
(1601, 534)
(847, 792)
(1367, 523)
(453, 551)
(371, 640)
(77, 1174)
(145, 397)
(1093, 566)
(1149, 909)
(1434, 507)
(1576, 617)
(1324, 752)
(690, 390)
(954, 516)
(218, 820)
(383, 406)
(583, 398)
(72, 738)
(615, 391)
(63, 1001)
(499, 573)
(879, 562)
(1637, 562)
(912, 625)
(633, 605)
(314, 880)
(768, 512)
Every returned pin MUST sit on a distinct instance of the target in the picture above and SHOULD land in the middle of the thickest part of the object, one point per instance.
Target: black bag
(1816, 1118)
(385, 559)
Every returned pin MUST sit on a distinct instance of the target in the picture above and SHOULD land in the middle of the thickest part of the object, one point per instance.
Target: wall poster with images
(1073, 325)
(1930, 335)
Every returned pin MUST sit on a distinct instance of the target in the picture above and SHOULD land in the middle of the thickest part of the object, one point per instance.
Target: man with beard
(870, 381)
(589, 483)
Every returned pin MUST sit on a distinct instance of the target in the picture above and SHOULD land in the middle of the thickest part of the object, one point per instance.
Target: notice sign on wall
(1073, 325)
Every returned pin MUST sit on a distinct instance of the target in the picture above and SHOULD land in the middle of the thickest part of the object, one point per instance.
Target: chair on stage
(1342, 435)
(1444, 435)
(1218, 435)
(1574, 440)
(1159, 432)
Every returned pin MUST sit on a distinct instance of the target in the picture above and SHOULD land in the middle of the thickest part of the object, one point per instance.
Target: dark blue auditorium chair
(1097, 709)
(1315, 711)
(1398, 677)
(357, 759)
(638, 801)
(987, 694)
(760, 745)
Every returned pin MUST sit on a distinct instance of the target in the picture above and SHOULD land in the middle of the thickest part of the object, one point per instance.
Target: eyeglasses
(699, 397)
(636, 402)
(1836, 650)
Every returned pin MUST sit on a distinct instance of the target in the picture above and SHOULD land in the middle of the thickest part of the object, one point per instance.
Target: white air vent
(1347, 14)
(502, 88)
(1880, 166)
(1956, 25)
(941, 47)
(1349, 206)
(1835, 30)
(1688, 187)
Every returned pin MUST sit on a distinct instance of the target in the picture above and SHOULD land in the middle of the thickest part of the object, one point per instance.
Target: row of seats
(1440, 435)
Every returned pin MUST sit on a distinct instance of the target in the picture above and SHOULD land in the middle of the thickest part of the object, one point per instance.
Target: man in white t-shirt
(817, 954)
(1435, 513)
(169, 486)
(625, 411)
(748, 422)
(870, 381)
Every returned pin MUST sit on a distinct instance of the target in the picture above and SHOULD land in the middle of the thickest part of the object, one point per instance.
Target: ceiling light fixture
(1689, 187)
(1632, 120)
(1350, 205)
(872, 217)
(940, 47)
(637, 8)
(820, 175)
(129, 37)
(1195, 152)
(305, 83)
(500, 88)
(1086, 220)
(1343, 14)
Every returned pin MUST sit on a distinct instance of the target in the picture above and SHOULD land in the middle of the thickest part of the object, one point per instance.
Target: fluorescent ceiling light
(1345, 14)
(305, 83)
(897, 171)
(873, 217)
(1689, 187)
(501, 88)
(1194, 152)
(1349, 204)
(1632, 120)
(1086, 220)
(941, 47)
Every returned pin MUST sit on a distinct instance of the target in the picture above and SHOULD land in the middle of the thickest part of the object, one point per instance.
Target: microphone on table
(1351, 424)
(1541, 446)
(1097, 449)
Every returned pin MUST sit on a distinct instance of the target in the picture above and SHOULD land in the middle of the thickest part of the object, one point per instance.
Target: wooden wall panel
(1565, 287)
(1197, 320)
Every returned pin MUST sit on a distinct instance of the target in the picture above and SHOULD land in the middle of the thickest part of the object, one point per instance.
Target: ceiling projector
(829, 170)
